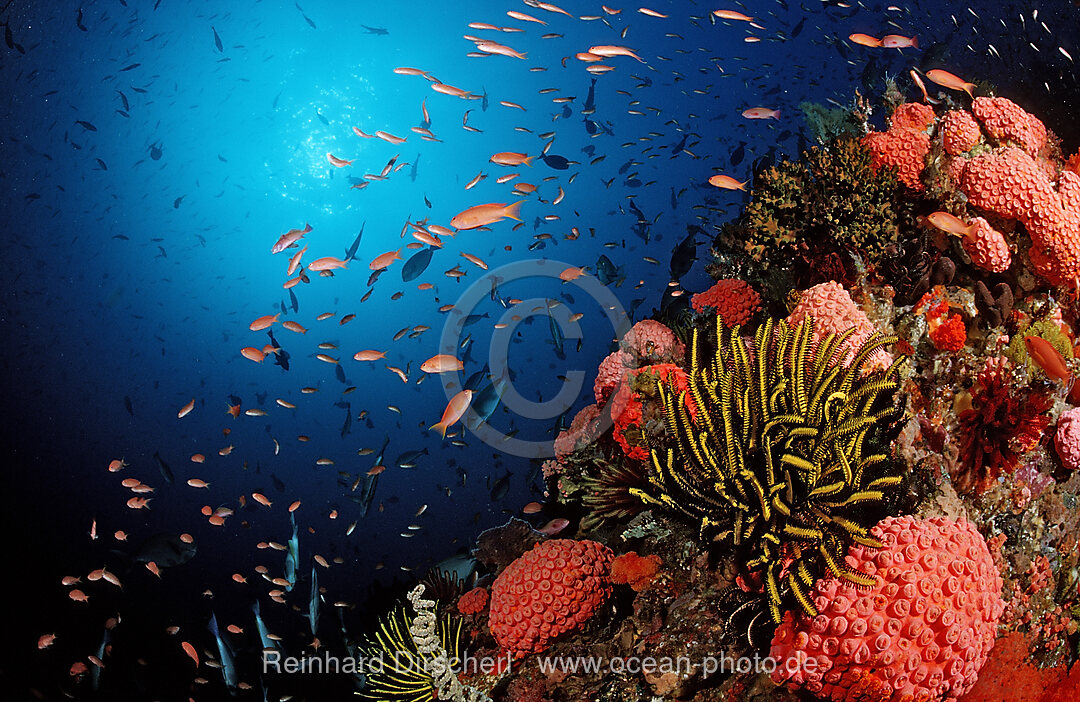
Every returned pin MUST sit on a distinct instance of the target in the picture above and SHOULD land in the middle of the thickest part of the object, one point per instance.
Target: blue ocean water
(151, 154)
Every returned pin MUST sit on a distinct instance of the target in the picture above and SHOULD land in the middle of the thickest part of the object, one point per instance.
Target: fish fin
(441, 427)
(915, 42)
(528, 161)
(513, 211)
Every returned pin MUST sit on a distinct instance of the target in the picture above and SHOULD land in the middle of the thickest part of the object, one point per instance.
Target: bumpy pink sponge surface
(554, 588)
(922, 633)
(1067, 438)
(653, 342)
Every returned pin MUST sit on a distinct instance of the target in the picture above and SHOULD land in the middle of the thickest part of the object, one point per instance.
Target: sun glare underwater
(309, 302)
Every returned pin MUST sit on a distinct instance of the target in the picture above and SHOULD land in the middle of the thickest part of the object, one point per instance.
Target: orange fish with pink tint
(483, 215)
(865, 40)
(384, 260)
(1047, 357)
(727, 182)
(950, 81)
(455, 409)
(442, 363)
(289, 239)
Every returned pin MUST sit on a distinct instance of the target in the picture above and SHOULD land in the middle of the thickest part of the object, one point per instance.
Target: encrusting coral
(921, 631)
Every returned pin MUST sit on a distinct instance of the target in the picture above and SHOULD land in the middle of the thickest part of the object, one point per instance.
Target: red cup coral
(734, 300)
(905, 145)
(634, 570)
(922, 633)
(949, 335)
(552, 589)
(1006, 121)
(473, 601)
(610, 374)
(628, 407)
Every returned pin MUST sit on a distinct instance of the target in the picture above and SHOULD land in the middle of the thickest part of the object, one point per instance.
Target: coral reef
(1067, 438)
(552, 589)
(650, 342)
(473, 602)
(731, 299)
(1002, 424)
(788, 459)
(634, 570)
(432, 649)
(922, 630)
(834, 312)
(798, 483)
(834, 200)
(905, 145)
(413, 655)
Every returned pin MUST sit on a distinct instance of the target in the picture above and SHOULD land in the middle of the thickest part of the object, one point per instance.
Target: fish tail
(915, 42)
(528, 161)
(513, 211)
(441, 427)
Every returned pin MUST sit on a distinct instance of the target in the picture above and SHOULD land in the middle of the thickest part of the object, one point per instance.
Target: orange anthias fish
(441, 363)
(865, 40)
(326, 263)
(252, 353)
(294, 262)
(186, 409)
(948, 80)
(1047, 357)
(732, 15)
(511, 158)
(491, 47)
(335, 161)
(369, 355)
(727, 182)
(607, 51)
(384, 260)
(951, 224)
(454, 411)
(289, 238)
(264, 322)
(483, 215)
(191, 652)
(571, 273)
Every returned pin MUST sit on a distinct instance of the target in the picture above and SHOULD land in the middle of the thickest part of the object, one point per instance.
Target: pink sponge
(922, 633)
(652, 342)
(610, 374)
(1067, 438)
(834, 311)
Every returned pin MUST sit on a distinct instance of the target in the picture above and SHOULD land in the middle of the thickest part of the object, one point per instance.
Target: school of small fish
(521, 181)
